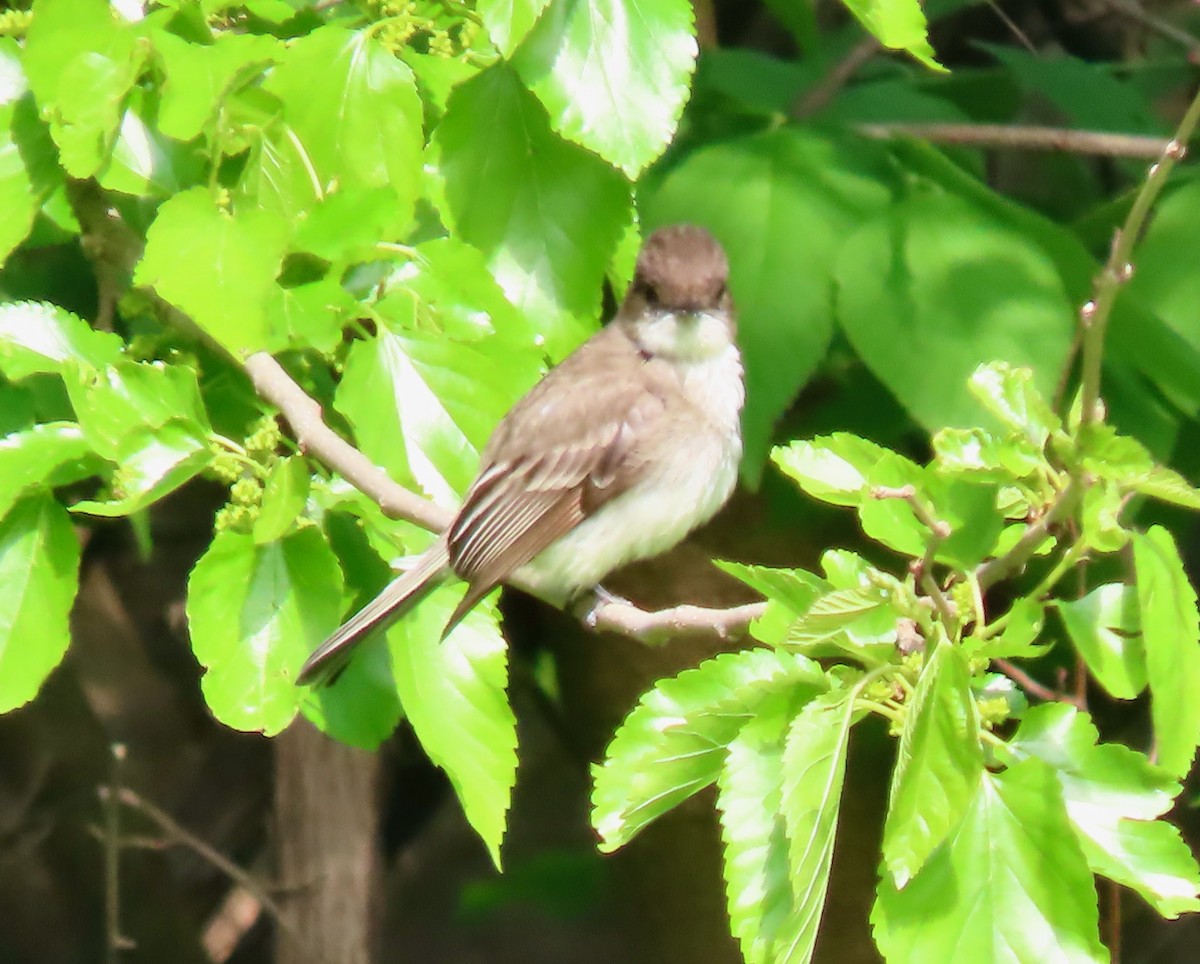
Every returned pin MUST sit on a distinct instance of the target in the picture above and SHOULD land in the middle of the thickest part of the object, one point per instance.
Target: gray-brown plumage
(621, 450)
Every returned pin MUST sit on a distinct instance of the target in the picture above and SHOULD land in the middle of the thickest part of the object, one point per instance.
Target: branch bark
(1024, 138)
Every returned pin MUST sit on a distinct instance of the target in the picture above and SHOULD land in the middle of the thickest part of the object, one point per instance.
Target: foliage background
(453, 185)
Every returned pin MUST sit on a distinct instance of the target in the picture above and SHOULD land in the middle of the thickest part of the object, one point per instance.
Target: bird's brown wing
(542, 476)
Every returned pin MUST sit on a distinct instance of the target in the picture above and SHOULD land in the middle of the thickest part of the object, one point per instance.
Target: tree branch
(992, 571)
(1119, 268)
(1024, 138)
(303, 413)
(663, 624)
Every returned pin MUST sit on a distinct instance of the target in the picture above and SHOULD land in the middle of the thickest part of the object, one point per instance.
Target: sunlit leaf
(937, 767)
(1171, 636)
(1010, 884)
(552, 212)
(453, 694)
(1105, 629)
(672, 744)
(1113, 796)
(218, 267)
(39, 575)
(612, 73)
(254, 614)
(814, 764)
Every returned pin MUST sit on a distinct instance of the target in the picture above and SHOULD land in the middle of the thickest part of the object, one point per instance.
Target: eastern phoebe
(615, 455)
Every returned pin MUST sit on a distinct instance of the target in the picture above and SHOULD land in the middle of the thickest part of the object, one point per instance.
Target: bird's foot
(593, 601)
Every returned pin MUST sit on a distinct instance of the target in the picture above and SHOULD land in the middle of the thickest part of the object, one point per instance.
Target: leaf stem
(1094, 315)
(994, 570)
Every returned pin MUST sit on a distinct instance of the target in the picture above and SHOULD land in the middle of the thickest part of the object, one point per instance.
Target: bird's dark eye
(649, 293)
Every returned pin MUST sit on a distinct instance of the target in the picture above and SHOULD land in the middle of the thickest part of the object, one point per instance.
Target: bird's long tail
(397, 598)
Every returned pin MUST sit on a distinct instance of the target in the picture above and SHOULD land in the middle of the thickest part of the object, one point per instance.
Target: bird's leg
(587, 606)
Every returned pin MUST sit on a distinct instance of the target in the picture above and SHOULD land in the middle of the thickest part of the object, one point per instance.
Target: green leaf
(814, 764)
(898, 24)
(1100, 517)
(1128, 464)
(283, 498)
(36, 338)
(456, 295)
(309, 315)
(928, 288)
(832, 468)
(861, 621)
(1171, 636)
(218, 267)
(361, 126)
(347, 224)
(1092, 96)
(1164, 281)
(278, 175)
(39, 575)
(508, 21)
(788, 197)
(1018, 638)
(144, 162)
(795, 588)
(1104, 627)
(1113, 795)
(81, 61)
(198, 76)
(149, 419)
(672, 744)
(1010, 884)
(750, 805)
(37, 456)
(18, 199)
(789, 593)
(1011, 395)
(254, 614)
(613, 74)
(938, 765)
(361, 707)
(984, 457)
(423, 407)
(453, 693)
(968, 507)
(552, 212)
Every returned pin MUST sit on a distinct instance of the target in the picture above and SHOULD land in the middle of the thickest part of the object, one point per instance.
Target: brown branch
(818, 97)
(1031, 685)
(115, 941)
(1134, 11)
(662, 624)
(1024, 138)
(992, 571)
(178, 835)
(939, 532)
(303, 413)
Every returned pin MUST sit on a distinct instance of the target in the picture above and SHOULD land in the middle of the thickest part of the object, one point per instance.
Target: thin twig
(992, 571)
(1020, 137)
(178, 834)
(1133, 10)
(115, 941)
(303, 413)
(816, 98)
(939, 532)
(1030, 685)
(1119, 268)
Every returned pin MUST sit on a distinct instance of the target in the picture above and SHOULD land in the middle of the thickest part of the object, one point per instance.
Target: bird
(621, 450)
